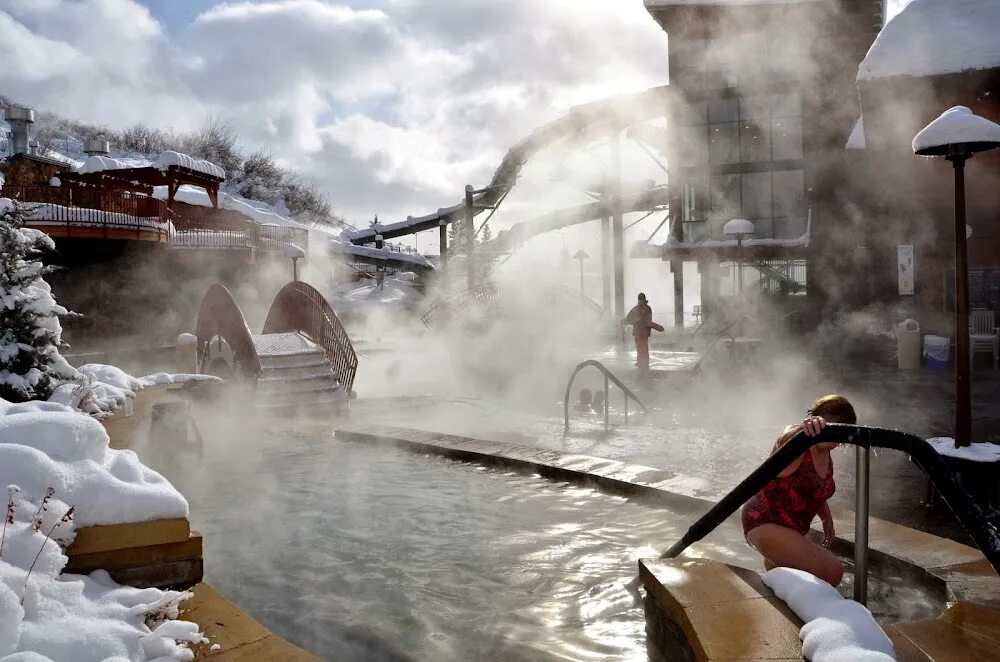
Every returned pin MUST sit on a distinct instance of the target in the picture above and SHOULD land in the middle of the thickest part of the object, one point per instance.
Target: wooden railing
(299, 307)
(75, 208)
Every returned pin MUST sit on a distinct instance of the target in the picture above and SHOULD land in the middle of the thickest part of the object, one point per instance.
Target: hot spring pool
(359, 552)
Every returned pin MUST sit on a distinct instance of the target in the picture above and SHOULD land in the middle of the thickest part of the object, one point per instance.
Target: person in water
(641, 319)
(584, 401)
(776, 519)
(598, 403)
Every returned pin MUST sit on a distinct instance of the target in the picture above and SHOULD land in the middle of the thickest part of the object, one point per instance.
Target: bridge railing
(608, 376)
(299, 307)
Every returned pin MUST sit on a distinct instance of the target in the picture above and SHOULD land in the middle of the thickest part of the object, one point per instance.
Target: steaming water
(369, 553)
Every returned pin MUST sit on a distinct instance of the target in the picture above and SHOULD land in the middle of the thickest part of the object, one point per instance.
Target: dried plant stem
(65, 518)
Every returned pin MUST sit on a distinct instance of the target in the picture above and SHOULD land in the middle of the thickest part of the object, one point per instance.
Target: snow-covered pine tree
(30, 334)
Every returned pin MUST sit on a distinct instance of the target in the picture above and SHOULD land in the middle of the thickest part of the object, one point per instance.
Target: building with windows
(769, 101)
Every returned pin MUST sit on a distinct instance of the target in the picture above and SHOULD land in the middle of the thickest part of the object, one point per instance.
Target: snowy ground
(61, 473)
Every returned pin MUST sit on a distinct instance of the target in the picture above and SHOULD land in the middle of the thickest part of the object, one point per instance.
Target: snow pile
(835, 629)
(45, 616)
(956, 125)
(162, 378)
(101, 163)
(169, 158)
(979, 452)
(47, 444)
(934, 37)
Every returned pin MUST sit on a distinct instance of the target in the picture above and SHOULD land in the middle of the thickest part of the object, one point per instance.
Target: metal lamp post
(294, 253)
(581, 255)
(742, 229)
(957, 135)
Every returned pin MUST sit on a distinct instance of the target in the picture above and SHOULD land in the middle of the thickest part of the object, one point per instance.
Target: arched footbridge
(302, 357)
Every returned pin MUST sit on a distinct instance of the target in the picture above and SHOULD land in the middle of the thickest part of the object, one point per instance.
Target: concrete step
(292, 360)
(330, 393)
(963, 633)
(272, 374)
(313, 383)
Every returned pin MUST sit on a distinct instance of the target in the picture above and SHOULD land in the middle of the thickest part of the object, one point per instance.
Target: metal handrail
(608, 375)
(300, 307)
(969, 514)
(220, 315)
(724, 332)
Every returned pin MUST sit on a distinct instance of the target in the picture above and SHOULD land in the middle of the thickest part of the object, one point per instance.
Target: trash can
(908, 344)
(937, 351)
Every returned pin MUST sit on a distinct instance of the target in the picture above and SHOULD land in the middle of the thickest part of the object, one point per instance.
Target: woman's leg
(783, 547)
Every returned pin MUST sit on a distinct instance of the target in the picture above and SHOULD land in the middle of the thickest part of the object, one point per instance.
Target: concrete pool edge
(956, 571)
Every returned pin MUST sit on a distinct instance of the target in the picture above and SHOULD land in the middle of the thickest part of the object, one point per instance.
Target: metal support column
(677, 269)
(470, 236)
(617, 231)
(606, 284)
(443, 243)
(862, 464)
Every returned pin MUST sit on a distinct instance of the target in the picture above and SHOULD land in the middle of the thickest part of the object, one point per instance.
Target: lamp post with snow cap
(295, 254)
(742, 229)
(957, 135)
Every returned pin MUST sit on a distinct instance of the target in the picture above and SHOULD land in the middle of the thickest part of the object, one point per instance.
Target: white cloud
(392, 110)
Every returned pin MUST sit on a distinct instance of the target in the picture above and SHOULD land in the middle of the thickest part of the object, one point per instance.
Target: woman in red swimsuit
(776, 519)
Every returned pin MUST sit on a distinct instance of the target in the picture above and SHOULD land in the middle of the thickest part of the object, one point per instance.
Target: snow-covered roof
(933, 37)
(857, 137)
(102, 163)
(379, 253)
(170, 158)
(955, 126)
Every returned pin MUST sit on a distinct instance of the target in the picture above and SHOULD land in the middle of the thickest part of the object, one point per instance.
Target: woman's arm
(785, 437)
(827, 518)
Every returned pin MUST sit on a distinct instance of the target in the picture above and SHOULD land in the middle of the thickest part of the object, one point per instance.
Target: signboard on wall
(905, 269)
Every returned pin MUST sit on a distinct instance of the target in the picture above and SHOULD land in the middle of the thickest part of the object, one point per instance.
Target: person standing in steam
(641, 319)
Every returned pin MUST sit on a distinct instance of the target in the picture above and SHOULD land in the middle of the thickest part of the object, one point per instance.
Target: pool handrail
(608, 375)
(969, 514)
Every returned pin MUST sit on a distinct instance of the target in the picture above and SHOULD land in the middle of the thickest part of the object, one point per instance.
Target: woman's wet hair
(834, 409)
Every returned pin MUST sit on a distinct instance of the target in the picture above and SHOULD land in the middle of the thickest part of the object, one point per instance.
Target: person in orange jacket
(641, 319)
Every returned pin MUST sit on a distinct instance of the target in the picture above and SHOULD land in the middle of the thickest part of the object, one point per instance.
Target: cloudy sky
(391, 105)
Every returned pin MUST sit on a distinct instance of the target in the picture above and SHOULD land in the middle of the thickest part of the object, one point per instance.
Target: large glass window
(786, 138)
(724, 143)
(774, 201)
(744, 130)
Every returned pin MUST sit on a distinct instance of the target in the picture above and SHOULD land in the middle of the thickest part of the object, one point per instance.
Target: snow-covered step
(284, 344)
(329, 395)
(319, 371)
(317, 383)
(279, 361)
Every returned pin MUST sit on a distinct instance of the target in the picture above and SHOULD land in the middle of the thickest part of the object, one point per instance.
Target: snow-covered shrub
(215, 141)
(31, 366)
(142, 139)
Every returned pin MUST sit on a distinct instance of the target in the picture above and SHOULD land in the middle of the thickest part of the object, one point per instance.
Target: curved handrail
(971, 516)
(300, 307)
(724, 332)
(220, 315)
(608, 376)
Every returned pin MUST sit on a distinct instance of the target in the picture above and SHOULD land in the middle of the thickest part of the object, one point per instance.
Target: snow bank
(956, 125)
(46, 444)
(170, 158)
(835, 629)
(980, 452)
(45, 616)
(933, 37)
